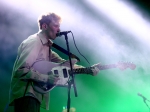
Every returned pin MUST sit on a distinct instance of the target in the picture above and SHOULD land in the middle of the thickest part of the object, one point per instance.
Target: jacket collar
(44, 40)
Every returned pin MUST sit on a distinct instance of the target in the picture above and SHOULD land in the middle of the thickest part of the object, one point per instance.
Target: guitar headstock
(125, 65)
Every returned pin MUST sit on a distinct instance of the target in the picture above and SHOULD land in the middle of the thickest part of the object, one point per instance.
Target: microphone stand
(144, 100)
(70, 82)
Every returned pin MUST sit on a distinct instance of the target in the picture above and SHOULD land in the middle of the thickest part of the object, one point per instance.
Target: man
(35, 48)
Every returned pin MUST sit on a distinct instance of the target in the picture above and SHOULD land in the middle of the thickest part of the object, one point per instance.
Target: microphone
(62, 33)
(142, 96)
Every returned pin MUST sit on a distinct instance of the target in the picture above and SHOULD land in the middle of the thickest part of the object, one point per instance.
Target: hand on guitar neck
(95, 69)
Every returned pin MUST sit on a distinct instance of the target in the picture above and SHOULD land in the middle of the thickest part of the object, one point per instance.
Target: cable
(79, 51)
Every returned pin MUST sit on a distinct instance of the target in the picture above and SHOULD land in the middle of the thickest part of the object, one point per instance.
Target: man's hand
(96, 69)
(53, 78)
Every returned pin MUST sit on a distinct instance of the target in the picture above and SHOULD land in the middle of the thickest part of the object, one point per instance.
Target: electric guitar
(63, 70)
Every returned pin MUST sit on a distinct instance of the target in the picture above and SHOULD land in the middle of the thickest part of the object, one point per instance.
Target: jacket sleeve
(56, 58)
(27, 54)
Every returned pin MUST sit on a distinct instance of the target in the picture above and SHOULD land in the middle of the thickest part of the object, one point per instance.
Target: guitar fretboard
(103, 67)
(88, 70)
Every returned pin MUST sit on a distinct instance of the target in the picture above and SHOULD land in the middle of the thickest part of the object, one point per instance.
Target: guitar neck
(103, 67)
(88, 70)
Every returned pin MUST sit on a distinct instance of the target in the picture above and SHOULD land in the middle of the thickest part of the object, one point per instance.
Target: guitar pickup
(65, 73)
(56, 72)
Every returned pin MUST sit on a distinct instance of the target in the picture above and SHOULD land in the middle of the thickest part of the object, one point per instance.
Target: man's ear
(44, 26)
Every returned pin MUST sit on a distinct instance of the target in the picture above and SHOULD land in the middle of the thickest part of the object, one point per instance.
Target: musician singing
(35, 48)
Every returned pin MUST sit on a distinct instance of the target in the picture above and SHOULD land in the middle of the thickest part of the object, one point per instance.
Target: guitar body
(62, 70)
(48, 68)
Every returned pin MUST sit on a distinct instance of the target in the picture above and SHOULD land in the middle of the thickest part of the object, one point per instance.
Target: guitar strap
(65, 51)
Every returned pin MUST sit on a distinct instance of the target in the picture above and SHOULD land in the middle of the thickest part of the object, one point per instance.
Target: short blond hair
(48, 18)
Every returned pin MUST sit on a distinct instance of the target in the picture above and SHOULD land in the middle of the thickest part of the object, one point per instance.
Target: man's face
(53, 29)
